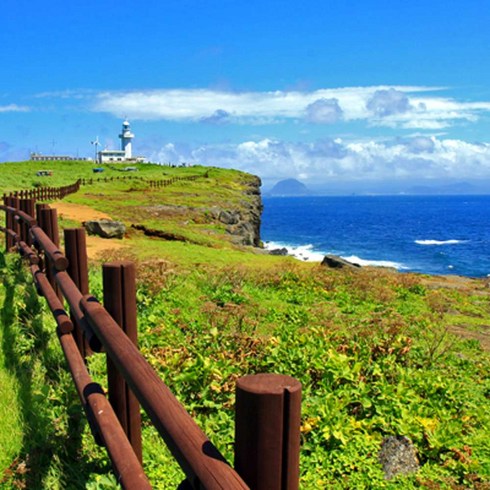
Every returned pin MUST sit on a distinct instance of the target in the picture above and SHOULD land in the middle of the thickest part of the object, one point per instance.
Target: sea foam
(439, 242)
(374, 263)
(301, 252)
(308, 254)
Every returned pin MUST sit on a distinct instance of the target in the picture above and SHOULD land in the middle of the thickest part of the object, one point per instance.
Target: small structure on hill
(125, 154)
(39, 157)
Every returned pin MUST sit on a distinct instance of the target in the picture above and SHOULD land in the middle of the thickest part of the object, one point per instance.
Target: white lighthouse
(126, 137)
(125, 154)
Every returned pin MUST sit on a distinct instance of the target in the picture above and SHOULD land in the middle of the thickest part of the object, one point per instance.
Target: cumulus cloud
(393, 106)
(14, 108)
(324, 111)
(218, 117)
(388, 102)
(420, 144)
(327, 159)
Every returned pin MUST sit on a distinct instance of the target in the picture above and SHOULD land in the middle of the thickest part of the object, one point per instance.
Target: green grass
(45, 442)
(371, 349)
(10, 420)
(22, 175)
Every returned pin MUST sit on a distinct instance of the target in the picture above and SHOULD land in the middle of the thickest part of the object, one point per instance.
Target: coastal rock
(229, 217)
(335, 262)
(398, 456)
(243, 233)
(105, 228)
(279, 251)
(243, 223)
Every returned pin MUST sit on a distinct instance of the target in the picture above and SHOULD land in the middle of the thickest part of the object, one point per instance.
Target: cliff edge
(243, 221)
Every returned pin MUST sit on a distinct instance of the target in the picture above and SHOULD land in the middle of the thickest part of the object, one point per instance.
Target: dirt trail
(80, 212)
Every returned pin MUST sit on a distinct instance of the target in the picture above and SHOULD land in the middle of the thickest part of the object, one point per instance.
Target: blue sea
(429, 234)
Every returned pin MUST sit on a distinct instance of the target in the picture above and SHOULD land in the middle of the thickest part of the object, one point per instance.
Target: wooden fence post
(48, 221)
(76, 253)
(9, 241)
(39, 206)
(267, 431)
(26, 205)
(119, 282)
(14, 203)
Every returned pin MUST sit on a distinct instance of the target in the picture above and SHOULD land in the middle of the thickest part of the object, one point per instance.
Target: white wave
(374, 263)
(439, 242)
(308, 254)
(301, 252)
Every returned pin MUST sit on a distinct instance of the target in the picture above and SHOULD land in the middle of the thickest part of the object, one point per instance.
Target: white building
(38, 157)
(125, 154)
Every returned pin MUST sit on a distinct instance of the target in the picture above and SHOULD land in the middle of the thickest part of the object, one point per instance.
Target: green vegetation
(45, 439)
(373, 349)
(10, 423)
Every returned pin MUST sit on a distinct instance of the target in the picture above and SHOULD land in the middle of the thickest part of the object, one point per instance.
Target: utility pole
(96, 144)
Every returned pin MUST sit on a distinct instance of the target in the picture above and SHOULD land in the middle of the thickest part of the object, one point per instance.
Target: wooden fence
(267, 414)
(56, 193)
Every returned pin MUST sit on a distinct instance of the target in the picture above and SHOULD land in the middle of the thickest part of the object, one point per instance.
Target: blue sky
(329, 92)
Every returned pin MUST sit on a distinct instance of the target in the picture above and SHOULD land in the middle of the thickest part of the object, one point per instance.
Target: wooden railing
(55, 193)
(268, 405)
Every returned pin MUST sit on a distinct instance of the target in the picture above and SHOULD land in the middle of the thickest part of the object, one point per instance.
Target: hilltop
(378, 353)
(220, 209)
(289, 187)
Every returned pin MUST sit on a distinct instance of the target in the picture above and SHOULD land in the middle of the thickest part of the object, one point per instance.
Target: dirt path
(80, 212)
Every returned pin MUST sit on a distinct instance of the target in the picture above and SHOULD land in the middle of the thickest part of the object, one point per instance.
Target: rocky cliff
(231, 209)
(243, 221)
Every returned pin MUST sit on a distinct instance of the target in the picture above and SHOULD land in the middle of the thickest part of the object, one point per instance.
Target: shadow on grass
(52, 417)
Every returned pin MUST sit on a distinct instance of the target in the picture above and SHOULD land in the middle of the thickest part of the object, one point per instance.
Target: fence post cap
(268, 383)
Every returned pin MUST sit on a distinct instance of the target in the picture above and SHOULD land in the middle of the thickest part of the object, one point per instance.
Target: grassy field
(378, 353)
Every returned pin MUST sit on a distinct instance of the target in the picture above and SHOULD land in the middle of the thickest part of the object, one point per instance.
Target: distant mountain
(289, 187)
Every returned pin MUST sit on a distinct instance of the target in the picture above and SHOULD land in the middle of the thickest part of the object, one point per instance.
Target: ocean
(428, 234)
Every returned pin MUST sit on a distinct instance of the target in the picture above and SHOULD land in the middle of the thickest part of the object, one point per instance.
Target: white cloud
(219, 116)
(329, 160)
(324, 111)
(14, 108)
(389, 102)
(393, 106)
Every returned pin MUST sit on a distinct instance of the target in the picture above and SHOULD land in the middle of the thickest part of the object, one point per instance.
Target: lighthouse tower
(126, 137)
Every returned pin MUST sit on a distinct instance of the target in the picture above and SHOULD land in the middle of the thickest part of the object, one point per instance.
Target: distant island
(289, 187)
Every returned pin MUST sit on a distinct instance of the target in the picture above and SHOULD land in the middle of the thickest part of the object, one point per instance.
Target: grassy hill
(378, 353)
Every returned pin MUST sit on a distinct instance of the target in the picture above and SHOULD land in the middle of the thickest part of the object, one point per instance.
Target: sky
(344, 94)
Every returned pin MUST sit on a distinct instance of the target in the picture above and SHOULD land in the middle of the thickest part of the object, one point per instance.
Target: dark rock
(166, 235)
(229, 217)
(398, 456)
(243, 233)
(335, 262)
(105, 228)
(243, 223)
(279, 251)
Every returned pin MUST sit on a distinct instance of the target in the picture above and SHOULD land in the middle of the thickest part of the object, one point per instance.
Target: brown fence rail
(46, 193)
(268, 406)
(57, 193)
